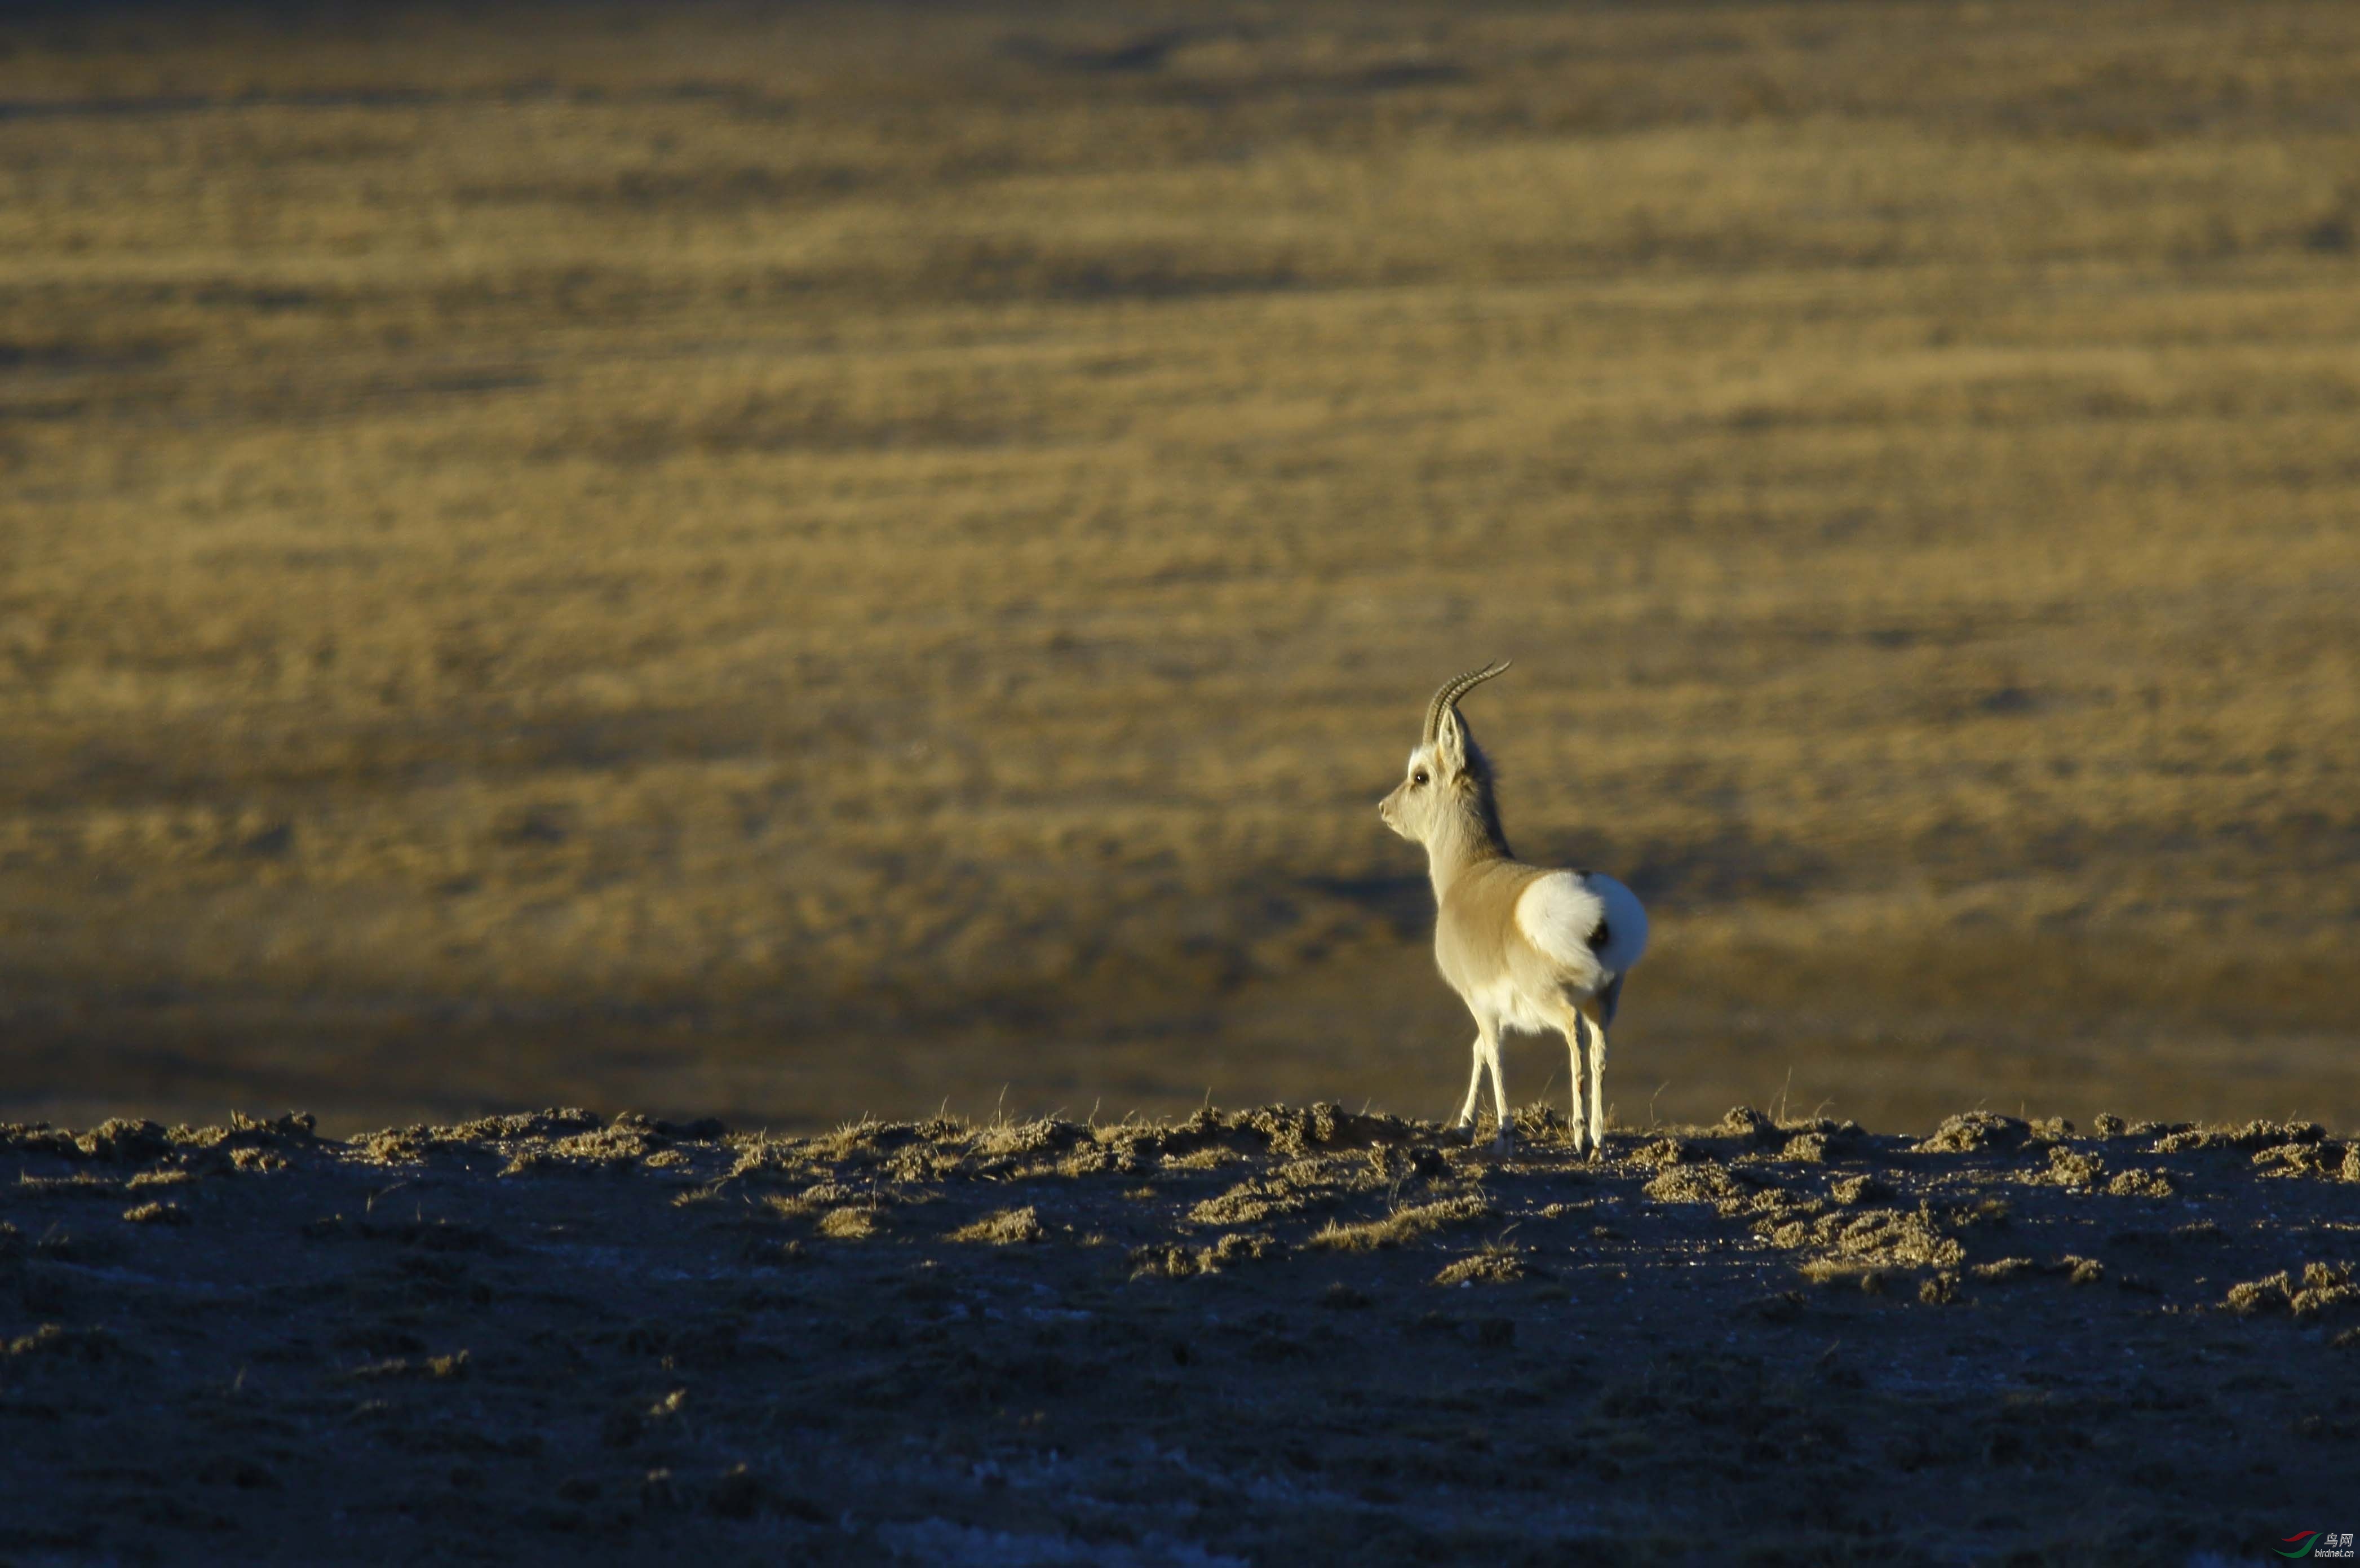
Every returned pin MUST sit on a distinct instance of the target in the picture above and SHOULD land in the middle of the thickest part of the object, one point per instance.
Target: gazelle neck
(1462, 842)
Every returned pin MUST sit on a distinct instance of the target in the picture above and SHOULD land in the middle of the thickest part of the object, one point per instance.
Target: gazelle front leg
(1474, 1092)
(1499, 1087)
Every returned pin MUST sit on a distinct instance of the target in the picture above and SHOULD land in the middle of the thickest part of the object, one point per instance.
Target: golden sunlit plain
(792, 562)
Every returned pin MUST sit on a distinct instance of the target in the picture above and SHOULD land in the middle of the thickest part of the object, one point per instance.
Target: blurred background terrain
(789, 561)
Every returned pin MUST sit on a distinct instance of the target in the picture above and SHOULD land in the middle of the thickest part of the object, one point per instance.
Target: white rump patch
(1560, 912)
(1627, 924)
(1556, 913)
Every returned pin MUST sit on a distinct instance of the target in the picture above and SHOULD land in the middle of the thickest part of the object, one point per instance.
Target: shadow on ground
(1277, 1335)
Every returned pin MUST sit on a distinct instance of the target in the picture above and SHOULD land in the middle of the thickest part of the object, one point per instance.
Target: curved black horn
(1454, 690)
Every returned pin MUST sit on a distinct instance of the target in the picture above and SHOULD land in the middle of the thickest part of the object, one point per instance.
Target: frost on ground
(1274, 1337)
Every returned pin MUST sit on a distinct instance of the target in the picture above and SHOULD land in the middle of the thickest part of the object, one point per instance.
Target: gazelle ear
(1450, 741)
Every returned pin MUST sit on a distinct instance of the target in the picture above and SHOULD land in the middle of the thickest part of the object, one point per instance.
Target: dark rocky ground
(1271, 1337)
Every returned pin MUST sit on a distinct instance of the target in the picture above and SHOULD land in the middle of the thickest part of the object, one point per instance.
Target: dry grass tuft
(2320, 1289)
(1007, 1227)
(1705, 1183)
(2141, 1184)
(1170, 1260)
(1999, 1272)
(2252, 1136)
(1858, 1190)
(2070, 1169)
(1662, 1153)
(1403, 1225)
(56, 1341)
(158, 1214)
(1977, 1132)
(124, 1142)
(1745, 1122)
(1940, 1289)
(849, 1225)
(1494, 1264)
(1820, 1140)
(2327, 1161)
(1854, 1240)
(1250, 1203)
(434, 1368)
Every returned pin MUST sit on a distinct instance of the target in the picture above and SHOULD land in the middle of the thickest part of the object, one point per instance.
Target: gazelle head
(1448, 785)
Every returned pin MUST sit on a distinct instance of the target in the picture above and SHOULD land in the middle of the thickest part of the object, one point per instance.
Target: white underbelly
(1515, 1009)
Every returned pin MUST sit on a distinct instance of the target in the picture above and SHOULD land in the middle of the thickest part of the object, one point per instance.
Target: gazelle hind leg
(1597, 1085)
(1474, 1092)
(1573, 1043)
